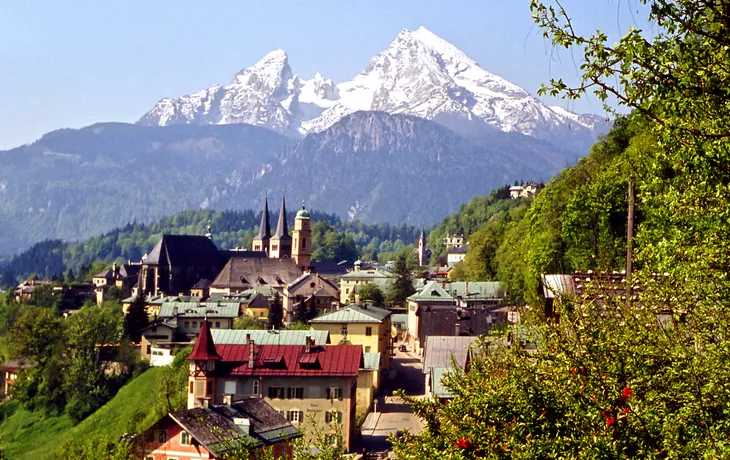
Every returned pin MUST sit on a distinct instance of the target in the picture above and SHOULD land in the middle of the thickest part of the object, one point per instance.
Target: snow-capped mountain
(266, 94)
(418, 74)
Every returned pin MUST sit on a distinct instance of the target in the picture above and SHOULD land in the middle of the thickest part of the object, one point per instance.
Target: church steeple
(261, 240)
(280, 245)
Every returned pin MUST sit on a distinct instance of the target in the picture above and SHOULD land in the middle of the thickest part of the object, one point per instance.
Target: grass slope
(31, 435)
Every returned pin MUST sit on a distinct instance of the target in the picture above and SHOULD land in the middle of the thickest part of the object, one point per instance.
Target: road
(392, 414)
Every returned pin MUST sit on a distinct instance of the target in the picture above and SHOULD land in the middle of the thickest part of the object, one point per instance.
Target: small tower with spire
(201, 375)
(263, 237)
(208, 232)
(422, 258)
(302, 235)
(280, 243)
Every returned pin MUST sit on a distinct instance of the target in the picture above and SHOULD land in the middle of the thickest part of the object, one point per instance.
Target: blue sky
(71, 64)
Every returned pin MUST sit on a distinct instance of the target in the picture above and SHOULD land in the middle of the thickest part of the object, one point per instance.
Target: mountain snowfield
(419, 74)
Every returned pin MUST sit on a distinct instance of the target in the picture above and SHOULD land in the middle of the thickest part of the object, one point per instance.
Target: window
(274, 247)
(294, 416)
(149, 349)
(162, 436)
(276, 392)
(187, 324)
(333, 416)
(229, 387)
(217, 324)
(343, 330)
(255, 389)
(208, 388)
(184, 438)
(304, 243)
(150, 437)
(191, 388)
(347, 291)
(367, 349)
(295, 393)
(368, 331)
(334, 393)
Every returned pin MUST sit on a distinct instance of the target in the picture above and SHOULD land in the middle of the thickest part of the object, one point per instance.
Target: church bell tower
(301, 250)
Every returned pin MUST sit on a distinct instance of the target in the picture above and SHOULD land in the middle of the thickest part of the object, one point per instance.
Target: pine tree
(276, 312)
(136, 319)
(403, 283)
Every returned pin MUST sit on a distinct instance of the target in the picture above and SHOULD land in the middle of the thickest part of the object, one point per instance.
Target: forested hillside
(332, 239)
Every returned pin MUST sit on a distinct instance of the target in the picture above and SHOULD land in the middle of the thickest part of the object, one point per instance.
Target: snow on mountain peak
(418, 74)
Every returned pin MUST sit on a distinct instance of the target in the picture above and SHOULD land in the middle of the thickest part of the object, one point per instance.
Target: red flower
(610, 421)
(625, 410)
(626, 393)
(573, 371)
(462, 443)
(582, 370)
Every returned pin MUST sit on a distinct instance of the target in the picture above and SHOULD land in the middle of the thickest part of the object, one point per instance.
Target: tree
(276, 312)
(371, 293)
(135, 319)
(304, 310)
(403, 282)
(247, 322)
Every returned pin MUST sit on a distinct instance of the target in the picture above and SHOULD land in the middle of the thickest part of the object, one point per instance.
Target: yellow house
(351, 282)
(359, 324)
(368, 382)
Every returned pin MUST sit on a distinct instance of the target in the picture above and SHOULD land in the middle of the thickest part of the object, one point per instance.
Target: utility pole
(630, 234)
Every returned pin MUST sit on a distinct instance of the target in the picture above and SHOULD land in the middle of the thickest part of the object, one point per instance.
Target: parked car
(402, 348)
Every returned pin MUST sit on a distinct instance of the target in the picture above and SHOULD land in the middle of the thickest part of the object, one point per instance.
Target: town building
(312, 292)
(452, 309)
(154, 334)
(310, 384)
(124, 277)
(422, 252)
(359, 324)
(217, 431)
(177, 263)
(189, 316)
(456, 256)
(453, 241)
(268, 337)
(8, 376)
(440, 355)
(368, 382)
(350, 282)
(245, 272)
(24, 290)
(524, 190)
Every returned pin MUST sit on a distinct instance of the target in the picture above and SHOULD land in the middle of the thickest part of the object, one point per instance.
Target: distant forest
(332, 239)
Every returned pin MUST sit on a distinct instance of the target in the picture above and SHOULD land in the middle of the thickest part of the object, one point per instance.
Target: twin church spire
(279, 244)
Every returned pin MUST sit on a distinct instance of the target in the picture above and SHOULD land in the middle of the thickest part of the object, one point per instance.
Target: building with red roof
(308, 384)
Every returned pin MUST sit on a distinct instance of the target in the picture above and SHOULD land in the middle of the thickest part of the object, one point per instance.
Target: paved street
(393, 415)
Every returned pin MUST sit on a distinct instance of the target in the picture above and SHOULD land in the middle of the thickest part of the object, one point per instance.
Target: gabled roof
(107, 274)
(440, 350)
(214, 427)
(370, 273)
(129, 271)
(435, 291)
(292, 360)
(202, 283)
(199, 310)
(161, 324)
(204, 349)
(185, 250)
(400, 318)
(268, 337)
(248, 272)
(354, 313)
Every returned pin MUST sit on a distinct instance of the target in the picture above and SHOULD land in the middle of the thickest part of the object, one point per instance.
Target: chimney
(243, 424)
(251, 346)
(308, 343)
(227, 399)
(458, 329)
(466, 289)
(248, 338)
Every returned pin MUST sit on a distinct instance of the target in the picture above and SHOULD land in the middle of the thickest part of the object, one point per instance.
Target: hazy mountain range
(419, 131)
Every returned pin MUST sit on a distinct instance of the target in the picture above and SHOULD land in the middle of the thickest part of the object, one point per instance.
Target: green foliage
(371, 293)
(330, 244)
(276, 312)
(304, 310)
(298, 326)
(248, 322)
(402, 284)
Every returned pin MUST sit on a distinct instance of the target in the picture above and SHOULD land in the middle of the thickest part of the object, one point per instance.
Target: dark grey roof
(282, 228)
(246, 272)
(440, 350)
(459, 250)
(181, 250)
(215, 429)
(264, 228)
(202, 284)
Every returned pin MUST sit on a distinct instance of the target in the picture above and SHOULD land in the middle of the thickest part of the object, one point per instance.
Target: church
(281, 244)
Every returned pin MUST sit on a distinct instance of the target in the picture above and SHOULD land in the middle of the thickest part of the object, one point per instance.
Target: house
(333, 271)
(524, 190)
(154, 334)
(24, 290)
(453, 241)
(368, 382)
(359, 324)
(268, 337)
(217, 431)
(361, 276)
(201, 289)
(189, 316)
(452, 309)
(177, 263)
(440, 355)
(310, 291)
(8, 375)
(312, 383)
(456, 256)
(588, 284)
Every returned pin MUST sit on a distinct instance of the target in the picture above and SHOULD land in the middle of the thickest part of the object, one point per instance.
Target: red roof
(292, 360)
(204, 348)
